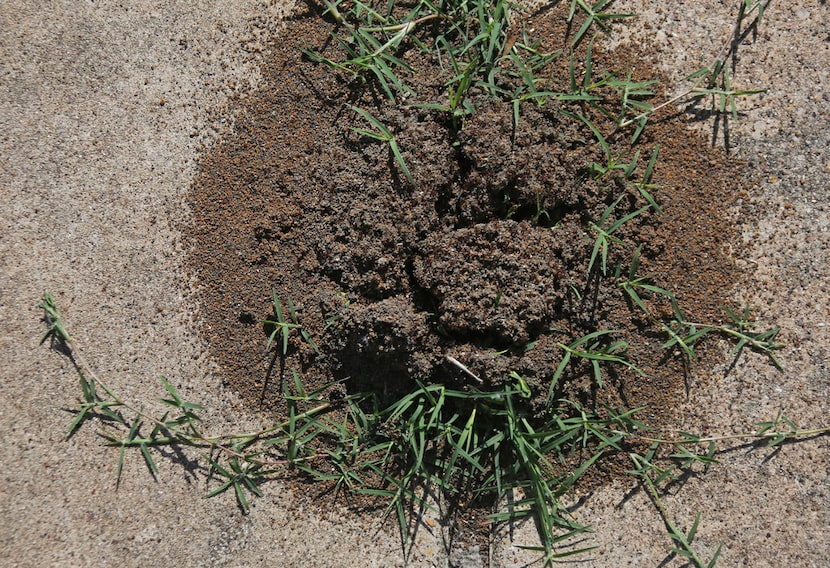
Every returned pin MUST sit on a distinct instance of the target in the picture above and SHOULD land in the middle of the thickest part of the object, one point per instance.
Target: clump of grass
(684, 334)
(382, 133)
(469, 443)
(652, 475)
(714, 81)
(283, 326)
(474, 41)
(690, 450)
(230, 456)
(463, 442)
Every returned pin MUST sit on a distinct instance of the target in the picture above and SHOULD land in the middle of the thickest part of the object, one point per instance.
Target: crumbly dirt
(130, 184)
(485, 259)
(486, 255)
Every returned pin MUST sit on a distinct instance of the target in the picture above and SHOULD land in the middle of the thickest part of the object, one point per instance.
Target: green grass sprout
(384, 135)
(605, 234)
(283, 326)
(594, 16)
(53, 320)
(594, 348)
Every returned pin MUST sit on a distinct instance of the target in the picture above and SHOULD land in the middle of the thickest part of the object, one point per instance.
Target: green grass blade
(148, 459)
(393, 144)
(241, 498)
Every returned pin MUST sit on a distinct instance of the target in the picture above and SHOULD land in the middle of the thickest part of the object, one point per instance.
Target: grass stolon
(467, 444)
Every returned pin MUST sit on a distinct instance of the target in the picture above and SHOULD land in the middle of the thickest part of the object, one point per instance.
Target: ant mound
(469, 251)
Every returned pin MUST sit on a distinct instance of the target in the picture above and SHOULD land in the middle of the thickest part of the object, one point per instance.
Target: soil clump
(484, 261)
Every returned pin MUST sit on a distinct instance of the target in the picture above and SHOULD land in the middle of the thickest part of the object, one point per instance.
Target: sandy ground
(103, 111)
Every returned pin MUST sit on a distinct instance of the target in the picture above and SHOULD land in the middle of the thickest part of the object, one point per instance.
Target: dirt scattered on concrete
(484, 260)
(95, 170)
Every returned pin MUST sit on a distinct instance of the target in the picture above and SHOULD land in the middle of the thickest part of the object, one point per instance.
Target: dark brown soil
(486, 260)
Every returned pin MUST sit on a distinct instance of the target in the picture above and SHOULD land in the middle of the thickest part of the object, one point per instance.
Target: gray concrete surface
(104, 107)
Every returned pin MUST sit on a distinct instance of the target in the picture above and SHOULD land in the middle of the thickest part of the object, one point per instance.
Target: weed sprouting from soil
(464, 443)
(459, 315)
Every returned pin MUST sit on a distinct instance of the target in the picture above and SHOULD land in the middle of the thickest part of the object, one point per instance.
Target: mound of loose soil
(484, 260)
